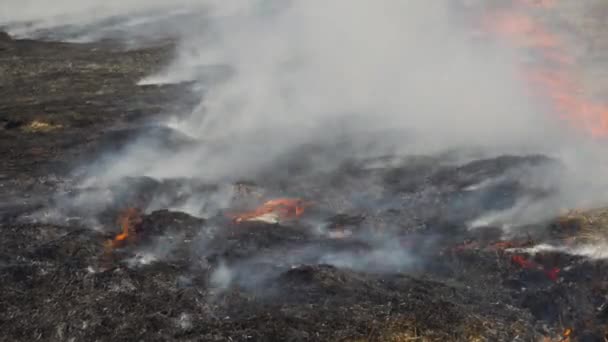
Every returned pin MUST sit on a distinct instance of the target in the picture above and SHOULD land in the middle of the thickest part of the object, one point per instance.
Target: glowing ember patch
(274, 211)
(552, 273)
(521, 261)
(129, 220)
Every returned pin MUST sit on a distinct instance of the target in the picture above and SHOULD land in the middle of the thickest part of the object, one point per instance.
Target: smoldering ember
(296, 171)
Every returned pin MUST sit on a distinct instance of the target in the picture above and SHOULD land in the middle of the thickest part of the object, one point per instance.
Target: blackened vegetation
(383, 255)
(57, 99)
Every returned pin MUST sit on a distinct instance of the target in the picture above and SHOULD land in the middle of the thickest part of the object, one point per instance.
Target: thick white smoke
(385, 76)
(394, 66)
(399, 76)
(64, 12)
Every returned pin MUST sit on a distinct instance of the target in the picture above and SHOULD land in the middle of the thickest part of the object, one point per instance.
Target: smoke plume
(329, 81)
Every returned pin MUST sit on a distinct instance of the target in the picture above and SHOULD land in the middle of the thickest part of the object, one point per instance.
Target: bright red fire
(551, 273)
(502, 246)
(557, 80)
(276, 209)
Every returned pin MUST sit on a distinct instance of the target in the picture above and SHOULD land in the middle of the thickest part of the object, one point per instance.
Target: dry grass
(394, 331)
(405, 330)
(37, 126)
(590, 226)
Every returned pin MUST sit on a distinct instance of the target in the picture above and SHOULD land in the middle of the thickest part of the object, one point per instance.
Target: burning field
(212, 172)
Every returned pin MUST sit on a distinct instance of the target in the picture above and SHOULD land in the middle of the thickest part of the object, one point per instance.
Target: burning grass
(551, 273)
(274, 211)
(130, 222)
(506, 247)
(48, 293)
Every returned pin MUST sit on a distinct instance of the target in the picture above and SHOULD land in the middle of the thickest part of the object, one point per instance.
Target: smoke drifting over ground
(392, 76)
(332, 81)
(302, 170)
(407, 76)
(357, 79)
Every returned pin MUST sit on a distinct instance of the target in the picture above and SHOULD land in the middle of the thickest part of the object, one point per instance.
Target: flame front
(128, 220)
(281, 208)
(557, 79)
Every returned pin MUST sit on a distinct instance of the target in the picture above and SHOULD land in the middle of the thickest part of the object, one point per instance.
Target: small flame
(128, 220)
(564, 338)
(280, 208)
(552, 273)
(566, 335)
(557, 81)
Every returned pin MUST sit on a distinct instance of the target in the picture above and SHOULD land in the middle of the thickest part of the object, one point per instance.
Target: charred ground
(62, 104)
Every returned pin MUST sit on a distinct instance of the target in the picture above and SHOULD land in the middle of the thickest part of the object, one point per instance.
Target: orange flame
(282, 208)
(557, 81)
(129, 221)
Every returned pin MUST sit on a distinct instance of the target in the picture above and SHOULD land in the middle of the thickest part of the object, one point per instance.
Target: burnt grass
(63, 104)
